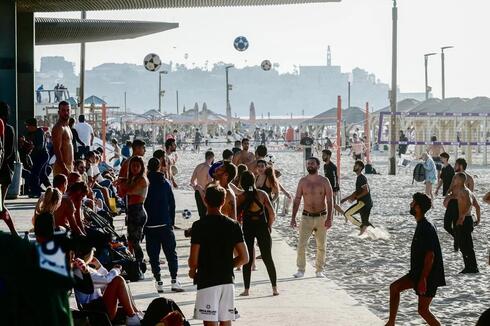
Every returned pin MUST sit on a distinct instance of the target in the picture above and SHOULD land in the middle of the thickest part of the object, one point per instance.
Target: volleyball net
(420, 128)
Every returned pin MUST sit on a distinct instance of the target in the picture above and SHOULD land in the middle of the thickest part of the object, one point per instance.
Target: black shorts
(357, 157)
(430, 292)
(438, 162)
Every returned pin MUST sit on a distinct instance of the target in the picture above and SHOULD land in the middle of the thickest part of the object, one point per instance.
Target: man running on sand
(62, 141)
(200, 179)
(317, 195)
(363, 196)
(426, 266)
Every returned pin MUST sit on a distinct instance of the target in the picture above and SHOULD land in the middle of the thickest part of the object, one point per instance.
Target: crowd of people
(236, 198)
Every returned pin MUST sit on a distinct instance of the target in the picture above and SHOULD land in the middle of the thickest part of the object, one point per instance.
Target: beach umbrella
(205, 119)
(196, 113)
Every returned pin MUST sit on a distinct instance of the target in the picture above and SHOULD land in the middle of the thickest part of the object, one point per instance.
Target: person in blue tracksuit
(160, 208)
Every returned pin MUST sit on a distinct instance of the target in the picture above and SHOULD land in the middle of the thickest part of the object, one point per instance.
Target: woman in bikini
(136, 188)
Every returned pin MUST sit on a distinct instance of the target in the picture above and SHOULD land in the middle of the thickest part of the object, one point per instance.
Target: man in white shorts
(211, 261)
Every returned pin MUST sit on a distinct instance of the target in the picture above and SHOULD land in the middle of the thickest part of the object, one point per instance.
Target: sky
(358, 31)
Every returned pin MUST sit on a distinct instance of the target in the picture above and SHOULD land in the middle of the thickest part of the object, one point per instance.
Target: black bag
(369, 169)
(159, 309)
(419, 173)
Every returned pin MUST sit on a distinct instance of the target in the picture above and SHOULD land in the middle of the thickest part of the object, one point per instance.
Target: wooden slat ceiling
(63, 31)
(95, 5)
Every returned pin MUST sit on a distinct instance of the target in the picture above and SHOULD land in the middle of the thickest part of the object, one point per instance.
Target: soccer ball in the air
(241, 43)
(266, 65)
(186, 214)
(152, 62)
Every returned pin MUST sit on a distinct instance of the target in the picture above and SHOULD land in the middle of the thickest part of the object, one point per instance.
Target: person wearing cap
(39, 157)
(62, 141)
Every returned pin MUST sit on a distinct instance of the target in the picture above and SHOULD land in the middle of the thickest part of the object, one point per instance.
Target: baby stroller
(111, 247)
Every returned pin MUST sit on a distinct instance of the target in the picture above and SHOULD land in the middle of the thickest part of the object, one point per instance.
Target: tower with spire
(329, 57)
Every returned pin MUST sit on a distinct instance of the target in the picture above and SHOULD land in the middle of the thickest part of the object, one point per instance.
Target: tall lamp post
(426, 63)
(394, 60)
(444, 70)
(229, 87)
(160, 91)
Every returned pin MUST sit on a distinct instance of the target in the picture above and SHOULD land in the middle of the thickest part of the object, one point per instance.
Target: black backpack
(419, 173)
(159, 309)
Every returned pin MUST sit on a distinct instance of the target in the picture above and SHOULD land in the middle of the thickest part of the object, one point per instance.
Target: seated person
(103, 166)
(49, 202)
(110, 289)
(69, 214)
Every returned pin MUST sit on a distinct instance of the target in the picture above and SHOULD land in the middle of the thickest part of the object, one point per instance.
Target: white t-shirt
(85, 132)
(93, 171)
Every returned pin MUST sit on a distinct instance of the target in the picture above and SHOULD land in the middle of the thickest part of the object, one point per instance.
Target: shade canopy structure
(96, 5)
(329, 117)
(63, 31)
(94, 100)
(402, 106)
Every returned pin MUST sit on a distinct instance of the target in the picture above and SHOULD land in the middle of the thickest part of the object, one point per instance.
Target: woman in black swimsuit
(252, 205)
(266, 180)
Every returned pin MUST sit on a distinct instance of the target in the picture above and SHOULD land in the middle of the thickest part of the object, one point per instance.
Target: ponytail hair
(49, 203)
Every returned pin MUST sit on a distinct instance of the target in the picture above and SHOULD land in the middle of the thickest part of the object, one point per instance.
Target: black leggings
(258, 229)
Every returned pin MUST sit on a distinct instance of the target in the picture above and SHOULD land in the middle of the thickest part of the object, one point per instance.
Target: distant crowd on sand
(75, 247)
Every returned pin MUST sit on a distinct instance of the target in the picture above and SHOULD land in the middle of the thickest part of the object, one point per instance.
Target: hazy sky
(359, 32)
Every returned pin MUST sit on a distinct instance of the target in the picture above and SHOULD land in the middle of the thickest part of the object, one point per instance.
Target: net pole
(485, 153)
(339, 136)
(367, 132)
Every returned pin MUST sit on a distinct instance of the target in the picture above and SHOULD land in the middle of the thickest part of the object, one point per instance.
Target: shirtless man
(200, 179)
(317, 195)
(62, 141)
(464, 222)
(460, 166)
(69, 214)
(244, 156)
(171, 156)
(260, 154)
(435, 150)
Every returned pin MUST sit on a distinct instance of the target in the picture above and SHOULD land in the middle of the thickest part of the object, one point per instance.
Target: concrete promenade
(306, 301)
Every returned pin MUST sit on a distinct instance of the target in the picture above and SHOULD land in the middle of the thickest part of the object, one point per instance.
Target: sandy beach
(366, 267)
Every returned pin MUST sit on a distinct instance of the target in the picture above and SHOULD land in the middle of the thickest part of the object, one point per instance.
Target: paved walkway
(306, 301)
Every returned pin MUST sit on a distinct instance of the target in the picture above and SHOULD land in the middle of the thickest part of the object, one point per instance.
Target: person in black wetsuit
(252, 206)
(446, 175)
(426, 266)
(330, 171)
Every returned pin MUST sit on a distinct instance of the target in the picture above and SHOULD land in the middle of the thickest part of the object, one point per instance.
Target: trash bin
(14, 188)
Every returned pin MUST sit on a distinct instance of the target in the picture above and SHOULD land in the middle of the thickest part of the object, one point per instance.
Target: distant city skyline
(359, 33)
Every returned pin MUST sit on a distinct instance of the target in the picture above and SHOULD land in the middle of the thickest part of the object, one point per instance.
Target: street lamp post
(426, 63)
(160, 91)
(228, 89)
(443, 71)
(394, 60)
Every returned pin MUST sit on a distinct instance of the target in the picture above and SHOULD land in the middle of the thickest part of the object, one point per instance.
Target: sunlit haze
(359, 33)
